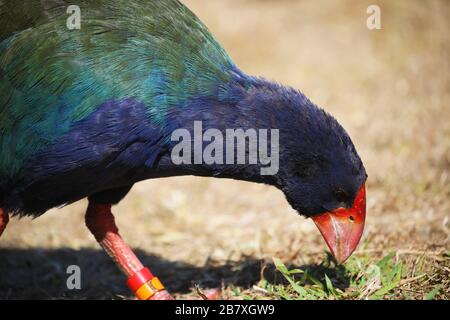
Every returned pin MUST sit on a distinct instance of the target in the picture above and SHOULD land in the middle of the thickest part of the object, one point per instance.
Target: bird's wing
(156, 51)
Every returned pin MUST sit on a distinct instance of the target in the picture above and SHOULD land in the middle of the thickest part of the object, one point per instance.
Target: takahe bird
(89, 111)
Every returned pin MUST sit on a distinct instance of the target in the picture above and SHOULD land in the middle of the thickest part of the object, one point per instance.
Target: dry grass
(389, 88)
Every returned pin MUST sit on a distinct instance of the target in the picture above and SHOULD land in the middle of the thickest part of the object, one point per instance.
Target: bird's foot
(162, 295)
(213, 294)
(209, 294)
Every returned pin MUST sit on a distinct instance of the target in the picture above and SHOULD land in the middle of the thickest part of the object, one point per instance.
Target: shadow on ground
(41, 274)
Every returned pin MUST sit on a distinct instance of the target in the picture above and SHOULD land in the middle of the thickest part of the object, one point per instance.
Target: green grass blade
(430, 295)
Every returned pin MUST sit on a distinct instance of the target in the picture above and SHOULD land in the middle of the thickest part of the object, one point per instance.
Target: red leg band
(139, 278)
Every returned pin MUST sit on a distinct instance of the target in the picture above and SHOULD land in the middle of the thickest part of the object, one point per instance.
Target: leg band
(144, 284)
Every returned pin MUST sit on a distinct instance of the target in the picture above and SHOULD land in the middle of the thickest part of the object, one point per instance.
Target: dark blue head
(320, 172)
(320, 169)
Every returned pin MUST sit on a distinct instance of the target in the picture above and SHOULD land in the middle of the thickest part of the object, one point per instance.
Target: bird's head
(335, 201)
(321, 174)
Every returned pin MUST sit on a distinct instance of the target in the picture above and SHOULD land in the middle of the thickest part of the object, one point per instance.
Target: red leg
(100, 221)
(4, 219)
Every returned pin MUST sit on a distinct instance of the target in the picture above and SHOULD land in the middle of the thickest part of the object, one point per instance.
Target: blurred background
(389, 88)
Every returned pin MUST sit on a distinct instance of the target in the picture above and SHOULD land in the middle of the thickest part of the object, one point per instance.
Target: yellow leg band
(148, 290)
(157, 284)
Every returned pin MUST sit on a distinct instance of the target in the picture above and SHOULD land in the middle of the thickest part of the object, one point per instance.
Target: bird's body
(90, 112)
(75, 102)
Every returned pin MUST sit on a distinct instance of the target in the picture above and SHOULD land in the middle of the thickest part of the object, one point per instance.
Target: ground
(390, 90)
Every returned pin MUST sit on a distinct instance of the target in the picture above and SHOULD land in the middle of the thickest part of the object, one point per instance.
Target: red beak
(342, 228)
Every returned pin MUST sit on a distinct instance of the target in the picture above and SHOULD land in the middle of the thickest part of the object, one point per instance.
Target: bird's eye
(340, 195)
